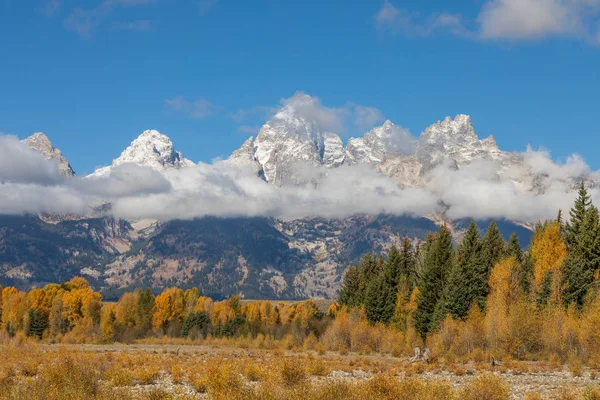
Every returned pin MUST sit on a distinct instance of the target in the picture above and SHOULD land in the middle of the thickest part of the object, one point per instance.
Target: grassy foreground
(141, 371)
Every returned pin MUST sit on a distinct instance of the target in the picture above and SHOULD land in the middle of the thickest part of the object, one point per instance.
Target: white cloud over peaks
(512, 20)
(195, 109)
(366, 117)
(483, 189)
(311, 108)
(18, 163)
(340, 120)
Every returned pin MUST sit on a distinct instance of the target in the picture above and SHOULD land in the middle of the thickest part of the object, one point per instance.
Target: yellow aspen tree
(169, 306)
(107, 321)
(548, 250)
(125, 309)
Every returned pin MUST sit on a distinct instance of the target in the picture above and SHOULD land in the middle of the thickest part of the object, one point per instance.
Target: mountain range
(260, 256)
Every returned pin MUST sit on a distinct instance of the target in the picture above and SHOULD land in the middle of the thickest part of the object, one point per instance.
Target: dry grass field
(199, 371)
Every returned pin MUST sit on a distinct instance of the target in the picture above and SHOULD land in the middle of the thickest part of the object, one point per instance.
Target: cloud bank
(31, 184)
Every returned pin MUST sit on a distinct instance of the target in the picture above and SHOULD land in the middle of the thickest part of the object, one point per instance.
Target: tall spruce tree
(493, 249)
(370, 267)
(393, 267)
(583, 260)
(380, 300)
(422, 253)
(438, 264)
(573, 228)
(408, 262)
(350, 291)
(461, 289)
(513, 249)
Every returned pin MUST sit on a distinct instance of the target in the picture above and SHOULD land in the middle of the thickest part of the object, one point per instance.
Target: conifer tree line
(437, 278)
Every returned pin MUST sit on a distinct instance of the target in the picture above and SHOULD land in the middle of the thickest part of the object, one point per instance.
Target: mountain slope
(42, 144)
(151, 149)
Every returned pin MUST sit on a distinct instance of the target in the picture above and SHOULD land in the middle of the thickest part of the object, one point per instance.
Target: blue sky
(93, 74)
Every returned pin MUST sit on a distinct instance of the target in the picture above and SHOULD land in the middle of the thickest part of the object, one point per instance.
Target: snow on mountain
(455, 139)
(333, 152)
(380, 142)
(290, 137)
(152, 149)
(244, 156)
(40, 143)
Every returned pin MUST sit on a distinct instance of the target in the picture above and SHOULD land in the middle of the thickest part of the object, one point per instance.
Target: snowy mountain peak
(459, 129)
(42, 144)
(151, 149)
(295, 136)
(380, 142)
(455, 139)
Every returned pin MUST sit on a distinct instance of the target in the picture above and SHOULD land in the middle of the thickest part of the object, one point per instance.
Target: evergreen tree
(198, 320)
(350, 292)
(461, 289)
(380, 300)
(370, 267)
(408, 262)
(572, 229)
(392, 267)
(584, 259)
(545, 290)
(438, 264)
(514, 248)
(493, 249)
(144, 311)
(421, 256)
(38, 323)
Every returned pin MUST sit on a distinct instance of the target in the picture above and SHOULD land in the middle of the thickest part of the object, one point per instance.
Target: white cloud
(18, 163)
(366, 117)
(84, 21)
(513, 20)
(536, 19)
(396, 20)
(195, 109)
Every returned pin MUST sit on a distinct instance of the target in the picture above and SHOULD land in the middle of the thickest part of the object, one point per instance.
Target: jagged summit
(380, 142)
(151, 149)
(291, 136)
(42, 144)
(456, 140)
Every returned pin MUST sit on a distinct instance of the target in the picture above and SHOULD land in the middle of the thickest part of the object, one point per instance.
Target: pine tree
(572, 229)
(514, 248)
(380, 300)
(392, 267)
(422, 254)
(461, 289)
(583, 260)
(350, 292)
(493, 249)
(438, 264)
(545, 291)
(38, 323)
(144, 311)
(409, 263)
(370, 267)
